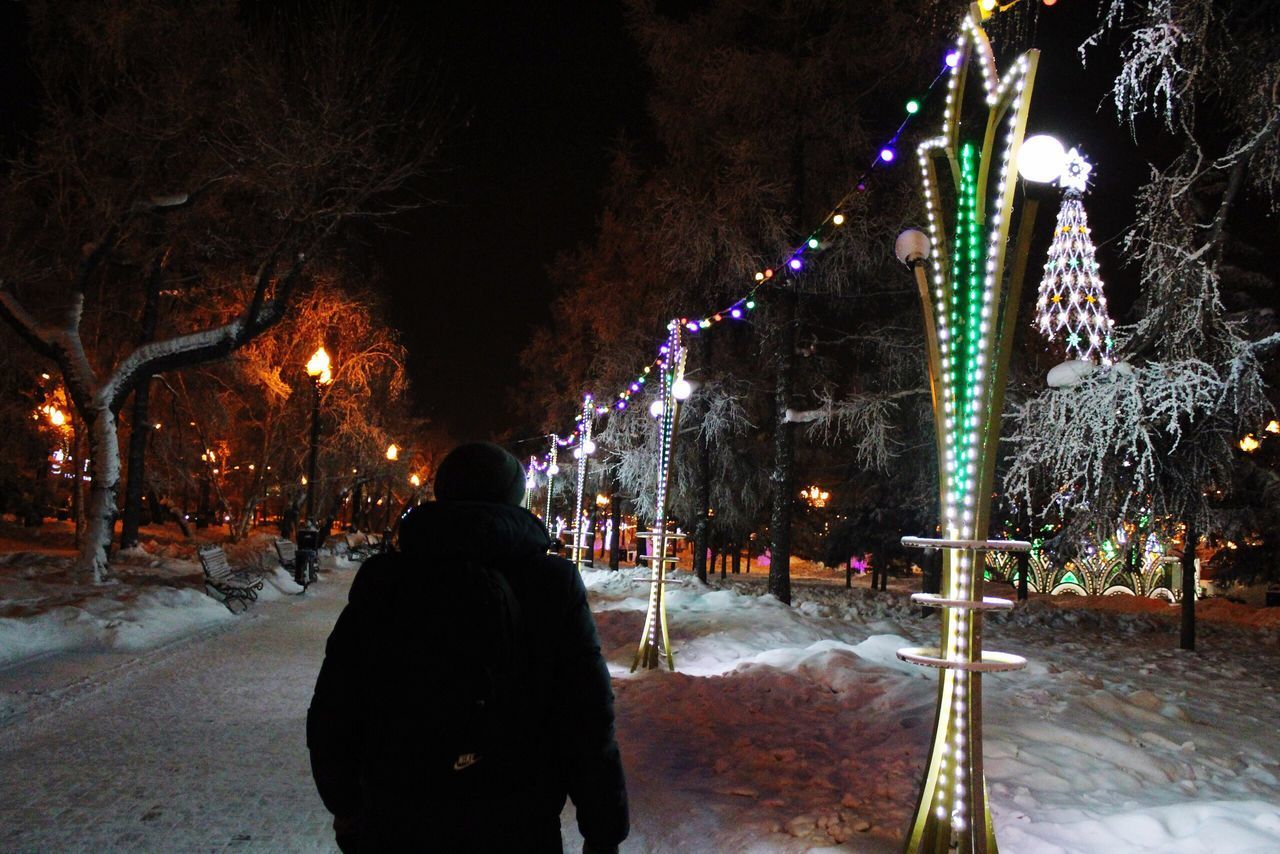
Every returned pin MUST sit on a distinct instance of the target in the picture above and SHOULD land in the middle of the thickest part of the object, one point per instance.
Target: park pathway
(197, 746)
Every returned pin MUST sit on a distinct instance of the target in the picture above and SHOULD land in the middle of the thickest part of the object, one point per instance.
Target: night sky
(547, 89)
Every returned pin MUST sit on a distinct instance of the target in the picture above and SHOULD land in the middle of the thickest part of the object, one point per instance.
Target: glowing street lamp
(318, 370)
(415, 481)
(1250, 443)
(393, 452)
(318, 367)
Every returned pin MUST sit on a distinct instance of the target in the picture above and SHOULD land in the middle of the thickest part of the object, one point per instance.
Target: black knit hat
(480, 471)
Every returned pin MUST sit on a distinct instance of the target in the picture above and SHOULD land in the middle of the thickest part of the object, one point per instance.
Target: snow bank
(158, 596)
(104, 623)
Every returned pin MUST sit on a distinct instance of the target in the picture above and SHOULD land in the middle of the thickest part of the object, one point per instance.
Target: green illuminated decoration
(970, 310)
(655, 643)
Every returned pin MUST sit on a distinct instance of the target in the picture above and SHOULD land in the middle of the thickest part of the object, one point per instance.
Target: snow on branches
(1107, 435)
(866, 419)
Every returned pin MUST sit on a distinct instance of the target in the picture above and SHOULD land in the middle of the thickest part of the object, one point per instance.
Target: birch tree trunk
(100, 514)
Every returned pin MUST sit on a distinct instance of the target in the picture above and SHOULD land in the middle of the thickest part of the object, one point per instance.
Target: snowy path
(196, 746)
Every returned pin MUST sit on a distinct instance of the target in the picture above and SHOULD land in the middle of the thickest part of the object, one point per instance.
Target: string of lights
(794, 260)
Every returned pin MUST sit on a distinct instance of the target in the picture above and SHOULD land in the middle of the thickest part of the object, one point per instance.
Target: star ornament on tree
(1075, 173)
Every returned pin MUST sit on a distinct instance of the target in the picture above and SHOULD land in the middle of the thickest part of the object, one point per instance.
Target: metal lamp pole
(318, 370)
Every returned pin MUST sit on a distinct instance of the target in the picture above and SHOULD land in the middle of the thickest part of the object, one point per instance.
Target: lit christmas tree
(1071, 309)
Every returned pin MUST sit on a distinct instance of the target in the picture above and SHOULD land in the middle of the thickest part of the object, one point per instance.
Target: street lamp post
(393, 455)
(318, 370)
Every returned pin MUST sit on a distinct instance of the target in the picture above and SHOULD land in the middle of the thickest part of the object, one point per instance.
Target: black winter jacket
(377, 664)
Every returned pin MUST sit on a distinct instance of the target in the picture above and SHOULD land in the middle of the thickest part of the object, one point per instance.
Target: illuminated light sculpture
(1071, 308)
(530, 482)
(582, 512)
(969, 312)
(652, 648)
(552, 470)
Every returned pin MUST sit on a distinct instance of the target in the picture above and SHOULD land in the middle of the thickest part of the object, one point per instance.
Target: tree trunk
(140, 425)
(848, 574)
(702, 525)
(357, 505)
(135, 484)
(737, 560)
(1024, 568)
(615, 516)
(104, 451)
(782, 478)
(640, 542)
(1191, 536)
(246, 517)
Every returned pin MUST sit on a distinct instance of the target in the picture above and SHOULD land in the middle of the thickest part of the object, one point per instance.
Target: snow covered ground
(784, 729)
(788, 728)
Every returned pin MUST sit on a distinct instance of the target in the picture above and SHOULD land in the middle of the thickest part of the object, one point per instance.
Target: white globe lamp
(1041, 159)
(655, 409)
(681, 389)
(912, 247)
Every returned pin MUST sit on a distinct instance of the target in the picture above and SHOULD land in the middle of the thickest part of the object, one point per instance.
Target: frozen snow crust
(795, 728)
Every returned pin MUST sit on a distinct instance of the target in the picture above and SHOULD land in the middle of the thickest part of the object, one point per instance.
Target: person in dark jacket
(373, 723)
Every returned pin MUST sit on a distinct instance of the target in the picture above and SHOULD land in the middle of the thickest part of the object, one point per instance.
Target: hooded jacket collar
(472, 529)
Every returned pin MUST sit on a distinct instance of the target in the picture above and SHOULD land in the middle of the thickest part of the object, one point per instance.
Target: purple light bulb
(887, 154)
(737, 312)
(795, 263)
(953, 58)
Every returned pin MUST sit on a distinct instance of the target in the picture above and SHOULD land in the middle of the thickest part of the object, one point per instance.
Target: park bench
(287, 553)
(228, 584)
(356, 544)
(361, 545)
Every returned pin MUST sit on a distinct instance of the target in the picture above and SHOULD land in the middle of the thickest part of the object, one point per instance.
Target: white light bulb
(681, 389)
(655, 409)
(588, 447)
(1041, 159)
